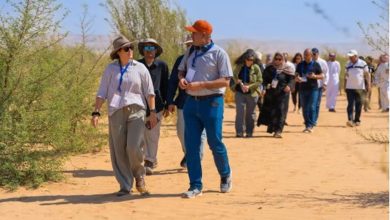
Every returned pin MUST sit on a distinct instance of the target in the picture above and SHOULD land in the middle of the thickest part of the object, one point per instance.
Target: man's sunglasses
(149, 48)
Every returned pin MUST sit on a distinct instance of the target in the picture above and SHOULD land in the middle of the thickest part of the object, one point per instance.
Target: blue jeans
(198, 115)
(309, 99)
(355, 99)
(318, 106)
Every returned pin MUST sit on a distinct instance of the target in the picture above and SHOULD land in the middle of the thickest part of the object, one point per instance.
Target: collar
(204, 48)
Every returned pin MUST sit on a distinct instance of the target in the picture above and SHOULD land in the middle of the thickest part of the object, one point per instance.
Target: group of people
(306, 78)
(140, 93)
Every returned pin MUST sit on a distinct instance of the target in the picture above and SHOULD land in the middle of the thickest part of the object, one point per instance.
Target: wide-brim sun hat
(118, 43)
(142, 44)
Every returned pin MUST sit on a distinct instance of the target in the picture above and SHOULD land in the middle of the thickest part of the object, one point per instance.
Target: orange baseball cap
(200, 26)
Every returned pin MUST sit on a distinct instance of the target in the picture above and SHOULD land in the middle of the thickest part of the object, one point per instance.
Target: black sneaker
(149, 166)
(183, 163)
(239, 135)
(122, 192)
(249, 135)
(226, 184)
(332, 110)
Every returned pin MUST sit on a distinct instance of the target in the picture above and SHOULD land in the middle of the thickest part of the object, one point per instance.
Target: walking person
(278, 80)
(322, 83)
(158, 69)
(178, 102)
(126, 85)
(295, 89)
(309, 72)
(356, 76)
(371, 69)
(247, 77)
(205, 74)
(333, 82)
(382, 80)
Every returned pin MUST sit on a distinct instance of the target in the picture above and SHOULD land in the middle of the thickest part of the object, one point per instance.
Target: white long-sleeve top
(382, 74)
(325, 71)
(333, 72)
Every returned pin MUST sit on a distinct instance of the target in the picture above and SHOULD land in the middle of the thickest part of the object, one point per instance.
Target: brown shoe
(141, 186)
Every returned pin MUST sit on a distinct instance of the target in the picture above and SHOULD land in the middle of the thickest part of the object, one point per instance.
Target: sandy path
(333, 173)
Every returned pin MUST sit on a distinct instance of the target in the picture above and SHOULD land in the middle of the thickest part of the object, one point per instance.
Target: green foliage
(158, 19)
(46, 94)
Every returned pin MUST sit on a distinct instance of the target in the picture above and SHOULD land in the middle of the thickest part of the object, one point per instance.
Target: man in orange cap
(204, 74)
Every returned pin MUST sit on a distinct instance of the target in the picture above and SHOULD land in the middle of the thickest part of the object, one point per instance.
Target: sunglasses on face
(126, 49)
(149, 48)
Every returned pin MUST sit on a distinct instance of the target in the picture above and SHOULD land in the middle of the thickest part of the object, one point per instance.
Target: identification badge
(304, 79)
(274, 83)
(116, 100)
(190, 75)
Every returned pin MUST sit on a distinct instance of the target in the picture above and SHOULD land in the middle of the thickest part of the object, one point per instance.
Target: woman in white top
(126, 85)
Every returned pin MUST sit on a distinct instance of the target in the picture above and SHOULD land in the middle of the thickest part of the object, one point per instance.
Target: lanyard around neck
(123, 71)
(204, 50)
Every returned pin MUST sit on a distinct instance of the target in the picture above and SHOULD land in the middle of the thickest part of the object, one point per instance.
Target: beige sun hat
(117, 44)
(142, 43)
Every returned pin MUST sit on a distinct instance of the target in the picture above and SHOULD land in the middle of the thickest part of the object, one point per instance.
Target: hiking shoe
(192, 193)
(122, 192)
(183, 163)
(350, 124)
(226, 184)
(141, 186)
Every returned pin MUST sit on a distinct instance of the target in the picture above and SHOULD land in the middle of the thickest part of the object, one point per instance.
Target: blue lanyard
(204, 50)
(123, 71)
(307, 69)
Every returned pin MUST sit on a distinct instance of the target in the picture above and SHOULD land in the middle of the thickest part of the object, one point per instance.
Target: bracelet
(153, 110)
(95, 114)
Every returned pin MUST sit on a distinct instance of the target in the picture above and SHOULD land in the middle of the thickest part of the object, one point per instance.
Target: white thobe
(333, 84)
(382, 80)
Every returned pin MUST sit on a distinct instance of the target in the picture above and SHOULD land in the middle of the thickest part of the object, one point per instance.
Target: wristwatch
(153, 110)
(95, 114)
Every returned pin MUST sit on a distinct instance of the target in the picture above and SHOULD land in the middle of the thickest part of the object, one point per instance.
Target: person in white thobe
(333, 82)
(382, 80)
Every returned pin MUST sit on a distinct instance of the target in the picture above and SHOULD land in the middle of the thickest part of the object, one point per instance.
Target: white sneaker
(350, 124)
(357, 123)
(191, 193)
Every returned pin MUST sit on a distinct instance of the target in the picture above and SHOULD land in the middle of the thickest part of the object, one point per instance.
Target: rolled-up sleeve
(104, 83)
(224, 66)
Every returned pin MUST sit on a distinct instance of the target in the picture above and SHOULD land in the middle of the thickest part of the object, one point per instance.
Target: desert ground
(337, 172)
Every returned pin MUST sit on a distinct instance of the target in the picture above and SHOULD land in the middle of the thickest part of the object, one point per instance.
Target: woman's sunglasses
(126, 49)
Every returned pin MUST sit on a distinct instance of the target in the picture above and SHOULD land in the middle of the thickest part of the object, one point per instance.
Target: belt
(205, 96)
